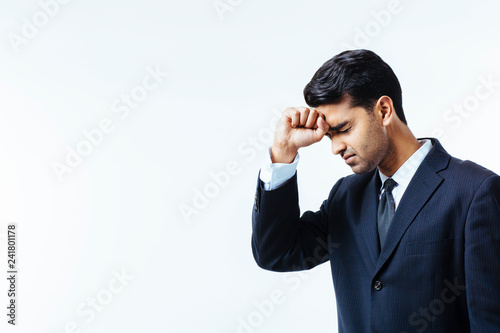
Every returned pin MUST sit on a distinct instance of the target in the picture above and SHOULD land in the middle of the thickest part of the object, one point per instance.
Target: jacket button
(377, 285)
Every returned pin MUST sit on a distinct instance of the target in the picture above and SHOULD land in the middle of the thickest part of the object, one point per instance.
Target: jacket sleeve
(482, 257)
(282, 240)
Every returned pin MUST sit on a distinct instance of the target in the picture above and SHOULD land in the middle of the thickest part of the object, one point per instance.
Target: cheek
(369, 143)
(367, 150)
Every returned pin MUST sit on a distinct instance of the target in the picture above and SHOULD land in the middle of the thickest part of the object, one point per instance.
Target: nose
(338, 145)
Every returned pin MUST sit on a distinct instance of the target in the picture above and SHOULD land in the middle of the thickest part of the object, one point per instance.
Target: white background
(119, 210)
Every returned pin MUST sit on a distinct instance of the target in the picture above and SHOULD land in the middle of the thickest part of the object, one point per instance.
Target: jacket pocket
(429, 247)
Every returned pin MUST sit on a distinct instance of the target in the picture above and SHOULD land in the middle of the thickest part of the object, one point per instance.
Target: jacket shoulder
(469, 169)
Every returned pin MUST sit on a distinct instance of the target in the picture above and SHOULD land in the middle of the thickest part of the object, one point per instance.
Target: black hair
(360, 74)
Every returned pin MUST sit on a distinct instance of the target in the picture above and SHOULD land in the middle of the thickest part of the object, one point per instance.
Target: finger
(311, 120)
(321, 115)
(304, 114)
(295, 118)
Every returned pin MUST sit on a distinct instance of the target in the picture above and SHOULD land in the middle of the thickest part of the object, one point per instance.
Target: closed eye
(330, 133)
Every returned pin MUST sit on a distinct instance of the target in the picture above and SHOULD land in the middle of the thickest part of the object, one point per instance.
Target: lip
(348, 158)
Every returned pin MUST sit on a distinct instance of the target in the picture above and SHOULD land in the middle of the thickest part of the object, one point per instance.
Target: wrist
(283, 154)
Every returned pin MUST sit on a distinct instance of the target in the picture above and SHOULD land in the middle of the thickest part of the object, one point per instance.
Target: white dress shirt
(276, 174)
(405, 173)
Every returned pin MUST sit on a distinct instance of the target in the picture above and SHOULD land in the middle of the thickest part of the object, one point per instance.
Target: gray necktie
(386, 208)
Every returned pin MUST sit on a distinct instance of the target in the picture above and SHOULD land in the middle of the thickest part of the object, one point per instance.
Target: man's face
(358, 136)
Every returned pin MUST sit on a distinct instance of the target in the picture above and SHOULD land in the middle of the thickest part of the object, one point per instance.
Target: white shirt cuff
(276, 174)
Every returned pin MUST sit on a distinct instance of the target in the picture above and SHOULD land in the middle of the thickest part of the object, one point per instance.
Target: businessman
(413, 236)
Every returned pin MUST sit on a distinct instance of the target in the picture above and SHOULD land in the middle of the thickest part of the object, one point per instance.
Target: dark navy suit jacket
(439, 268)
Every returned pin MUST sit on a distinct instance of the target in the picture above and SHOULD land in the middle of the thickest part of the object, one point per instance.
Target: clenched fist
(297, 127)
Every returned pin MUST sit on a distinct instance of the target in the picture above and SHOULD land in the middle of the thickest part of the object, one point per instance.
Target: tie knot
(389, 184)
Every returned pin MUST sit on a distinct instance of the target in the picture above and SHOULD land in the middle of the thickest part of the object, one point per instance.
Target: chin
(362, 169)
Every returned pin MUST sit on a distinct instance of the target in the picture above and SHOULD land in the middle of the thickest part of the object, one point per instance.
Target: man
(413, 236)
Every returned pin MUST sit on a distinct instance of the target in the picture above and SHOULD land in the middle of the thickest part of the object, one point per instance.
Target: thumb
(323, 127)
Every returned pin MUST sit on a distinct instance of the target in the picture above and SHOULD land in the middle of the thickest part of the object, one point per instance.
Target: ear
(384, 109)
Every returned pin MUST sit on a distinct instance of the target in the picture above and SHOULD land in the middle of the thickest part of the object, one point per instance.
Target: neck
(403, 144)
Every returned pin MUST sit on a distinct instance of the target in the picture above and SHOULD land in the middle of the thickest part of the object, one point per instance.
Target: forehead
(341, 112)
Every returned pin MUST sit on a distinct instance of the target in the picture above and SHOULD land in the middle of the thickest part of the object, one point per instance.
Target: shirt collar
(405, 173)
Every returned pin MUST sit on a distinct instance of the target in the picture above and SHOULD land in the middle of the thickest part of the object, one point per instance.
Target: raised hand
(298, 127)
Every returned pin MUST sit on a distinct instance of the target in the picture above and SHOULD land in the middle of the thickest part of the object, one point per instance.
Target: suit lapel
(369, 220)
(423, 184)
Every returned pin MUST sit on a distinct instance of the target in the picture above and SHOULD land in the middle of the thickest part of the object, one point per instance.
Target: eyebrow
(338, 127)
